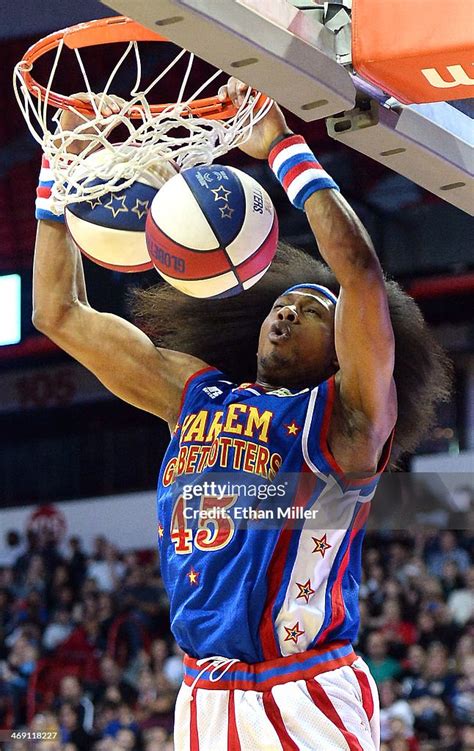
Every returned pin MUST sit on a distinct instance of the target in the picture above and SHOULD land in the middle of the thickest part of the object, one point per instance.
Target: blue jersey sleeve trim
(319, 450)
(192, 380)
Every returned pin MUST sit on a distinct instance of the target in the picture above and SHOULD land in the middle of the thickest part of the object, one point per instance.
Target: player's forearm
(58, 277)
(343, 241)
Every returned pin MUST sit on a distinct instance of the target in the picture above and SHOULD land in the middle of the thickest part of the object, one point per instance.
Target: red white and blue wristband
(44, 207)
(298, 170)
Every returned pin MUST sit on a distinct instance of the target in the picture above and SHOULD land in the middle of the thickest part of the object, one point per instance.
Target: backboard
(300, 53)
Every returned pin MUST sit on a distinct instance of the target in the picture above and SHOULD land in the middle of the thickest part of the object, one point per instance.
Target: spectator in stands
(71, 691)
(464, 648)
(451, 578)
(6, 617)
(7, 578)
(105, 568)
(395, 628)
(431, 591)
(413, 667)
(392, 706)
(401, 735)
(112, 686)
(143, 594)
(89, 606)
(173, 667)
(44, 722)
(448, 631)
(85, 604)
(461, 599)
(162, 709)
(31, 609)
(32, 577)
(123, 719)
(447, 549)
(463, 694)
(106, 613)
(58, 629)
(449, 738)
(59, 578)
(32, 547)
(467, 736)
(16, 671)
(105, 744)
(147, 693)
(430, 713)
(398, 558)
(433, 692)
(70, 728)
(48, 548)
(65, 598)
(126, 740)
(429, 686)
(158, 654)
(426, 627)
(77, 564)
(155, 739)
(382, 667)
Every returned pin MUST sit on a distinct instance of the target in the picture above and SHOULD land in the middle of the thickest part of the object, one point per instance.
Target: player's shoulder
(207, 382)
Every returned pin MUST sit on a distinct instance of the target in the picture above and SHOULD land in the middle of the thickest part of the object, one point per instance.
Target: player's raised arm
(366, 405)
(364, 338)
(118, 353)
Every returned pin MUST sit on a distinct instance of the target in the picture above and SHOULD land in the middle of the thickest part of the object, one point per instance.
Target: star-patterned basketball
(110, 229)
(212, 231)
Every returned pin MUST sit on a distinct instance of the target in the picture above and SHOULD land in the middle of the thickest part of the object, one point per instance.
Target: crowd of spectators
(86, 651)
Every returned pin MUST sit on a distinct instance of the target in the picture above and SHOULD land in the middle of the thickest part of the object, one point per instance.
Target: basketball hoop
(208, 127)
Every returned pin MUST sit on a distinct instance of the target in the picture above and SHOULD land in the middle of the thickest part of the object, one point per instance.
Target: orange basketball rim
(107, 31)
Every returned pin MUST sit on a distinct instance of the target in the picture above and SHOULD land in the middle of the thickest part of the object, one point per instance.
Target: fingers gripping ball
(212, 231)
(110, 229)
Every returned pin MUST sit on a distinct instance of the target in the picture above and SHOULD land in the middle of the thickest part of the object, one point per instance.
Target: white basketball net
(150, 142)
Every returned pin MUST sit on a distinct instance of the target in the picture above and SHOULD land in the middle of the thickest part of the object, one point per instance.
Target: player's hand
(107, 105)
(265, 131)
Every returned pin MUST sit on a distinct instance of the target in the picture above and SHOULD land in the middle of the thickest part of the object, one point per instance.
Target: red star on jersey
(320, 545)
(305, 590)
(293, 633)
(292, 428)
(160, 530)
(193, 576)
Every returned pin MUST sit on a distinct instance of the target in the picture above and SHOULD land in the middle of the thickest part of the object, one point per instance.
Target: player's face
(296, 344)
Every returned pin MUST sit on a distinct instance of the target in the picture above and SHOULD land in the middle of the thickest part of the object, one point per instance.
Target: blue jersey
(256, 590)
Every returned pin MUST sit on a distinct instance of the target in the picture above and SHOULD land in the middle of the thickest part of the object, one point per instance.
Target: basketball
(212, 231)
(110, 229)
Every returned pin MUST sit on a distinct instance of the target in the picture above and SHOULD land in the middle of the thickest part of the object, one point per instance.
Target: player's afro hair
(224, 333)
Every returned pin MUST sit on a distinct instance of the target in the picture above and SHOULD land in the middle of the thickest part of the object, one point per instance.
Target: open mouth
(280, 331)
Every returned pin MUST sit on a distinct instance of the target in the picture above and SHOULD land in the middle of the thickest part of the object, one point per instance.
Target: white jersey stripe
(304, 440)
(336, 509)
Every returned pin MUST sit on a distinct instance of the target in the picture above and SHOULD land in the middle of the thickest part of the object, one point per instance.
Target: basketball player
(266, 616)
